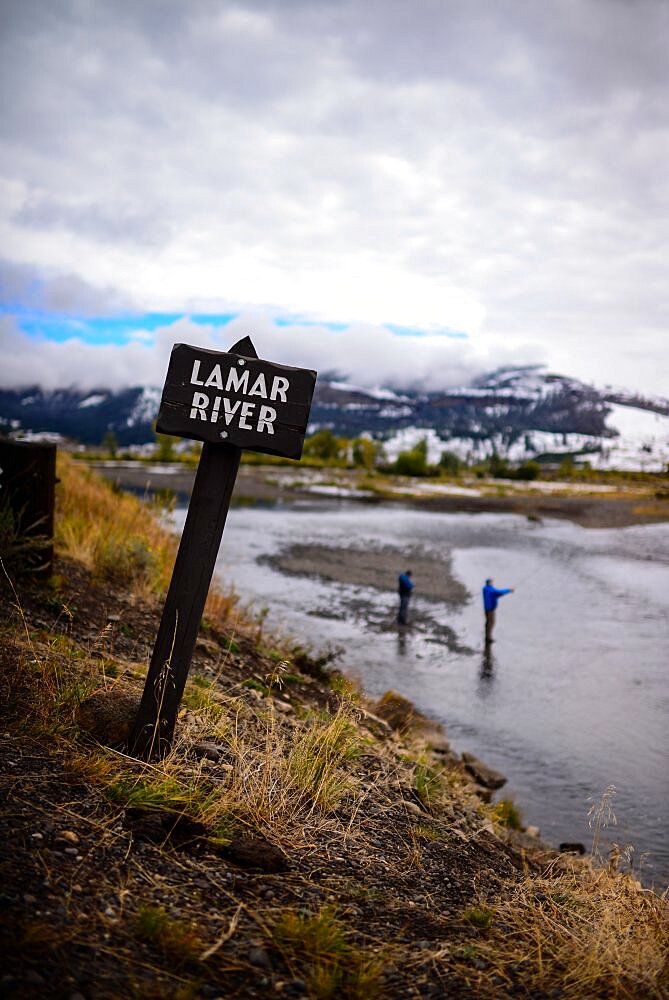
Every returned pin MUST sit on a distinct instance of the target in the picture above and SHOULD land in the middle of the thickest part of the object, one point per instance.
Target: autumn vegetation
(382, 871)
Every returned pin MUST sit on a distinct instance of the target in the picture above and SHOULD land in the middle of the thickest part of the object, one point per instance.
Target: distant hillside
(519, 413)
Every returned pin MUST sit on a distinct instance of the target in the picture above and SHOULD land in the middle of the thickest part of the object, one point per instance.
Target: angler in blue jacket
(490, 597)
(405, 586)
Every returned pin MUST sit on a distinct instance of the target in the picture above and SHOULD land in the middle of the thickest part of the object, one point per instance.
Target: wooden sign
(229, 401)
(240, 400)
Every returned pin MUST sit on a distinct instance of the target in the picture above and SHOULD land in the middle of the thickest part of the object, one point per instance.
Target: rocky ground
(228, 871)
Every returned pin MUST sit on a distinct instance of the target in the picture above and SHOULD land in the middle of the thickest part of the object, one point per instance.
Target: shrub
(528, 471)
(507, 813)
(449, 463)
(124, 562)
(412, 462)
(20, 551)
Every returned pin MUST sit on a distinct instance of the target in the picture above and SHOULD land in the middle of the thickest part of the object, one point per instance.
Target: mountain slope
(518, 413)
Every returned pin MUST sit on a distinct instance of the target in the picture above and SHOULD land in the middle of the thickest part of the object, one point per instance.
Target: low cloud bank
(370, 356)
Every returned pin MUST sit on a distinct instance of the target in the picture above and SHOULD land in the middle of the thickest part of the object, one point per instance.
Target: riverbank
(592, 505)
(299, 841)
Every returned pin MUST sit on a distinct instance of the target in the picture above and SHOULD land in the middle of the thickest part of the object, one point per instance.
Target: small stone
(415, 809)
(572, 848)
(72, 851)
(37, 836)
(207, 750)
(28, 899)
(68, 835)
(533, 831)
(256, 852)
(33, 978)
(260, 958)
(481, 773)
(298, 985)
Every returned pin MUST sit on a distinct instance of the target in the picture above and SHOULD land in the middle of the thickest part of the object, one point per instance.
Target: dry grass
(286, 781)
(301, 779)
(589, 932)
(316, 946)
(109, 532)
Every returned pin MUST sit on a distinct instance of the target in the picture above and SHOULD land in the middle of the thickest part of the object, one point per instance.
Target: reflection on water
(572, 696)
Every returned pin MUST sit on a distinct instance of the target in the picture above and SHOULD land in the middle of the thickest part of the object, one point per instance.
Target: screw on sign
(229, 401)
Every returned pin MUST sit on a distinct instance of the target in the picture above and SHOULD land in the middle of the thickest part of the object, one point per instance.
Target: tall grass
(587, 931)
(110, 532)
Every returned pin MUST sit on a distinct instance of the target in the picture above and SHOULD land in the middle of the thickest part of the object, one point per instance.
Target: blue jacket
(491, 595)
(406, 585)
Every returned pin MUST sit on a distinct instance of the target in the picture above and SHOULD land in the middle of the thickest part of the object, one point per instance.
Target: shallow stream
(574, 696)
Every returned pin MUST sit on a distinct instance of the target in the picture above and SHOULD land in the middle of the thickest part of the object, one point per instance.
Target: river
(574, 696)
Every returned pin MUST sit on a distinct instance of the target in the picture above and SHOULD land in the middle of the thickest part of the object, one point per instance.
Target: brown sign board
(232, 399)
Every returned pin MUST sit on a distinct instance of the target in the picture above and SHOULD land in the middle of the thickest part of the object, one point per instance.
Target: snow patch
(146, 407)
(93, 400)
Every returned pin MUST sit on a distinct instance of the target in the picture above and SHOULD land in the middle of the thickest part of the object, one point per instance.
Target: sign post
(229, 401)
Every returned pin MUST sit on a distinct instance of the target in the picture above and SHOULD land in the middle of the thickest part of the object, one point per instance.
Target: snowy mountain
(518, 413)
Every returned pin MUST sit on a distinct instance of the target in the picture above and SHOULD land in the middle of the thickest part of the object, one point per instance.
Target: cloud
(370, 356)
(496, 168)
(21, 286)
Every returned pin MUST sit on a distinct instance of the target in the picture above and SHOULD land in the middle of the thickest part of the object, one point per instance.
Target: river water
(574, 697)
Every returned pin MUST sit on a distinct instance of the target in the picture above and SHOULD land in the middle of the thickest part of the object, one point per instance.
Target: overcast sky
(401, 190)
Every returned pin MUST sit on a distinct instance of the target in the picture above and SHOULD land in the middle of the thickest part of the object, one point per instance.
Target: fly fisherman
(405, 586)
(491, 596)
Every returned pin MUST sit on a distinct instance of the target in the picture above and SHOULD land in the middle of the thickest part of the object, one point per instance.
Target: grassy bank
(298, 841)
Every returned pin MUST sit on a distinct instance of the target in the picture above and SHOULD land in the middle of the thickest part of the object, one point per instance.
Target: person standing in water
(491, 596)
(405, 586)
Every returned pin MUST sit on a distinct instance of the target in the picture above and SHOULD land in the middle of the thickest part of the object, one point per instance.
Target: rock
(569, 848)
(109, 716)
(282, 706)
(376, 724)
(256, 852)
(33, 978)
(260, 958)
(397, 711)
(158, 826)
(481, 773)
(67, 835)
(209, 750)
(414, 808)
(533, 831)
(437, 742)
(207, 646)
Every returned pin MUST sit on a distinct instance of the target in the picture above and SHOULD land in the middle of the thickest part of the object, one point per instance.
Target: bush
(449, 463)
(528, 471)
(21, 551)
(324, 445)
(413, 462)
(126, 562)
(365, 452)
(498, 467)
